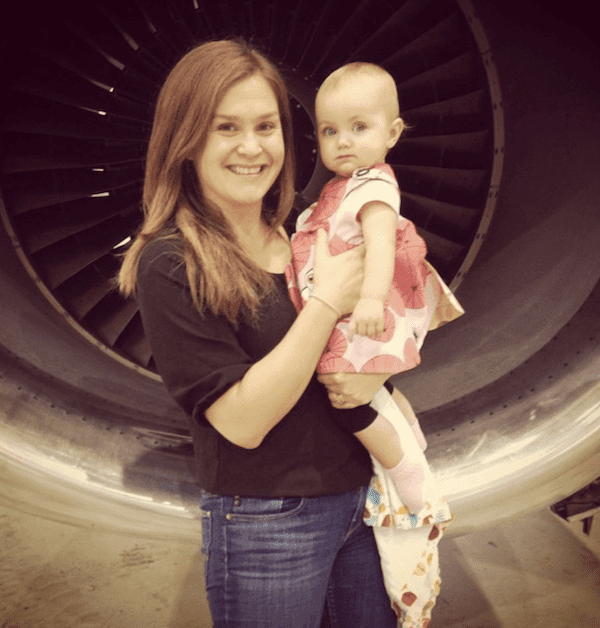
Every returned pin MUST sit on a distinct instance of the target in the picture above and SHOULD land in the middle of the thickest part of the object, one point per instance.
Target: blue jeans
(275, 563)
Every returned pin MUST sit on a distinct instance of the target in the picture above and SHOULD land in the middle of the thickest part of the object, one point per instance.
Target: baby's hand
(367, 319)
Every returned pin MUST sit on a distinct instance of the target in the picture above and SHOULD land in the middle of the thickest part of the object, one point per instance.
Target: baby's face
(355, 126)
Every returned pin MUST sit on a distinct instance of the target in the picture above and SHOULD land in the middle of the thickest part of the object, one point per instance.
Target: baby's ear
(396, 129)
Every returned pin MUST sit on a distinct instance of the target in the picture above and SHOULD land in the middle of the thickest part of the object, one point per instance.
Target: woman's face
(244, 149)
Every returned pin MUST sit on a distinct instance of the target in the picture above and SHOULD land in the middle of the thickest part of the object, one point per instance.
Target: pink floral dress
(418, 299)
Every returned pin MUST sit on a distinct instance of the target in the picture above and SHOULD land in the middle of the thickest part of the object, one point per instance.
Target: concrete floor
(533, 572)
(124, 568)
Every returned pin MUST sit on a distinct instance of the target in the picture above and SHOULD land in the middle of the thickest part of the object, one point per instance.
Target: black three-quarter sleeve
(354, 420)
(198, 355)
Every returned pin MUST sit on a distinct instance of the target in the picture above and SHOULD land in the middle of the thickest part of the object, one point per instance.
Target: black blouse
(310, 452)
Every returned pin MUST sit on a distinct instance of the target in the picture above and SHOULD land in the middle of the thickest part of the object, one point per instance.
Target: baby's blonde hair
(363, 68)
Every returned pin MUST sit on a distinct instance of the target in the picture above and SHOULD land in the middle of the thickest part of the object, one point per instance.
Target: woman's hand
(348, 390)
(338, 278)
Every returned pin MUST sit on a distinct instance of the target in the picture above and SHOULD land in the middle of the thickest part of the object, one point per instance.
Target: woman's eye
(226, 128)
(266, 127)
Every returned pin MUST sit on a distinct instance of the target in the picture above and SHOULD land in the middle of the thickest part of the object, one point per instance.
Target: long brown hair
(221, 276)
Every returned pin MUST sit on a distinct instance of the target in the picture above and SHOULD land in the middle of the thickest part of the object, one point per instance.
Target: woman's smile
(247, 170)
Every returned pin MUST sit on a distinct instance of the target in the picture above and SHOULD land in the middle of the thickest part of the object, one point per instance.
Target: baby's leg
(382, 441)
(407, 410)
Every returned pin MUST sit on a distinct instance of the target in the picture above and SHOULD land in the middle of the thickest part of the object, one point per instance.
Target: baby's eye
(328, 132)
(358, 127)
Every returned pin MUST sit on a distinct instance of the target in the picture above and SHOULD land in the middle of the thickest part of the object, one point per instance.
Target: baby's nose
(343, 139)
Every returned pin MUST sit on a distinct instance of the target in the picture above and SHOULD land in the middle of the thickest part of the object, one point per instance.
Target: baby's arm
(379, 222)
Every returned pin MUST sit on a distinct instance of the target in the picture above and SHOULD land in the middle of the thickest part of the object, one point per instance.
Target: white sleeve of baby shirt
(371, 184)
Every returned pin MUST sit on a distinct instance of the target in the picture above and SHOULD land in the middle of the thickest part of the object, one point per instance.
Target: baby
(358, 122)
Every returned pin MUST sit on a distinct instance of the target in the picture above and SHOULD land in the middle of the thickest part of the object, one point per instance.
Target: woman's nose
(250, 145)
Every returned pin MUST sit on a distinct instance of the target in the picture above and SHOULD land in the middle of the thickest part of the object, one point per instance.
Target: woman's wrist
(327, 303)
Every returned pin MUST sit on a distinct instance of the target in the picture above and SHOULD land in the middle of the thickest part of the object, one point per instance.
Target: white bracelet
(329, 305)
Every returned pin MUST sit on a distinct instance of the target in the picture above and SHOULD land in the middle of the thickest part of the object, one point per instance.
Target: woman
(284, 481)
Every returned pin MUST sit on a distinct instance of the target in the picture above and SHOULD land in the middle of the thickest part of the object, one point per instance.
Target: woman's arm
(349, 390)
(379, 222)
(271, 387)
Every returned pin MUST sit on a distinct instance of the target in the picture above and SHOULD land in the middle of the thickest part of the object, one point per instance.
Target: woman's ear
(396, 129)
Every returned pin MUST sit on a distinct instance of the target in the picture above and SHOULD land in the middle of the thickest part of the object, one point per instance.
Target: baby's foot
(408, 477)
